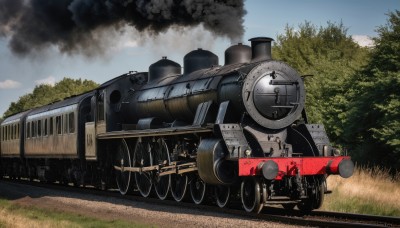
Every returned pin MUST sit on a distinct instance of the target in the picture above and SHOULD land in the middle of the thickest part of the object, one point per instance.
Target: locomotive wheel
(142, 158)
(123, 159)
(178, 186)
(251, 195)
(161, 157)
(315, 199)
(222, 195)
(198, 190)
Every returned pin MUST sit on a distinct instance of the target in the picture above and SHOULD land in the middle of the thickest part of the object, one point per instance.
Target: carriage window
(71, 122)
(28, 130)
(39, 127)
(12, 132)
(58, 125)
(18, 131)
(45, 127)
(34, 129)
(65, 124)
(51, 126)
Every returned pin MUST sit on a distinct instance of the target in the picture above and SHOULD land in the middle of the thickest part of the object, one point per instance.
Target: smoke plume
(77, 26)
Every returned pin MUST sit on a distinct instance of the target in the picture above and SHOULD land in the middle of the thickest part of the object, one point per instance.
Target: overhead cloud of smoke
(78, 26)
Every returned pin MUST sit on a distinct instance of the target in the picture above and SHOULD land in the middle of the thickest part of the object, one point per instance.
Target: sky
(19, 75)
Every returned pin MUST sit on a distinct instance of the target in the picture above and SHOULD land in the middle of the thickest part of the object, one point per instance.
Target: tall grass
(368, 191)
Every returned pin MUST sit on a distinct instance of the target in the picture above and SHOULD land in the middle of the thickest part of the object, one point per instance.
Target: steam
(88, 26)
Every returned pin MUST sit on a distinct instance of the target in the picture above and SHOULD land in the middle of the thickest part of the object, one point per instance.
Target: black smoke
(73, 25)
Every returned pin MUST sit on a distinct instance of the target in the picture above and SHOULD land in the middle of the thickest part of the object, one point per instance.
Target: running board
(156, 132)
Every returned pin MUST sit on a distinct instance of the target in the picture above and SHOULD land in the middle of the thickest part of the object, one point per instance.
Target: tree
(373, 121)
(45, 94)
(331, 57)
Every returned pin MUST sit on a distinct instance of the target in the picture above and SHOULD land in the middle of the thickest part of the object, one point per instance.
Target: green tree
(331, 57)
(373, 121)
(45, 94)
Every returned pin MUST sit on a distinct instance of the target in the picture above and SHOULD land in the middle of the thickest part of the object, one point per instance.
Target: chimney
(261, 48)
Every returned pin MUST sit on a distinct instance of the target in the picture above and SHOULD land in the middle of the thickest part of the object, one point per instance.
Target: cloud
(363, 40)
(130, 44)
(48, 81)
(9, 84)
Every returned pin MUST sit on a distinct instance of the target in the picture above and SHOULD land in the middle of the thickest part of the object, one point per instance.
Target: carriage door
(98, 126)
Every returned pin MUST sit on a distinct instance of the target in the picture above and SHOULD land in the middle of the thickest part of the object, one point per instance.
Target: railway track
(294, 217)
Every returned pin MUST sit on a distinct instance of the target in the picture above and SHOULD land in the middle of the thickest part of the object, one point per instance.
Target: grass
(14, 215)
(369, 191)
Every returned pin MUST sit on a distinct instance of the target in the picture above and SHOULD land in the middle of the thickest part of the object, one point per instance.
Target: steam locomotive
(237, 131)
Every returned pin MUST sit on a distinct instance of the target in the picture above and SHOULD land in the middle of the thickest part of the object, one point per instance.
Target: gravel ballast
(110, 208)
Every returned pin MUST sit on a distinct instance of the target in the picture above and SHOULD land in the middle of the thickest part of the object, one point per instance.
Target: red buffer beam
(277, 168)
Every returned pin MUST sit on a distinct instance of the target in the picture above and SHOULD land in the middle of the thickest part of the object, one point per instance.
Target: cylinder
(211, 163)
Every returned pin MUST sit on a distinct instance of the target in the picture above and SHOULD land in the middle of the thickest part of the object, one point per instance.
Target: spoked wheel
(251, 195)
(197, 190)
(161, 157)
(123, 159)
(178, 186)
(142, 158)
(316, 198)
(222, 195)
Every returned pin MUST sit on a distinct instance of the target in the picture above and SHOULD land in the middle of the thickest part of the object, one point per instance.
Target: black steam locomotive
(221, 132)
